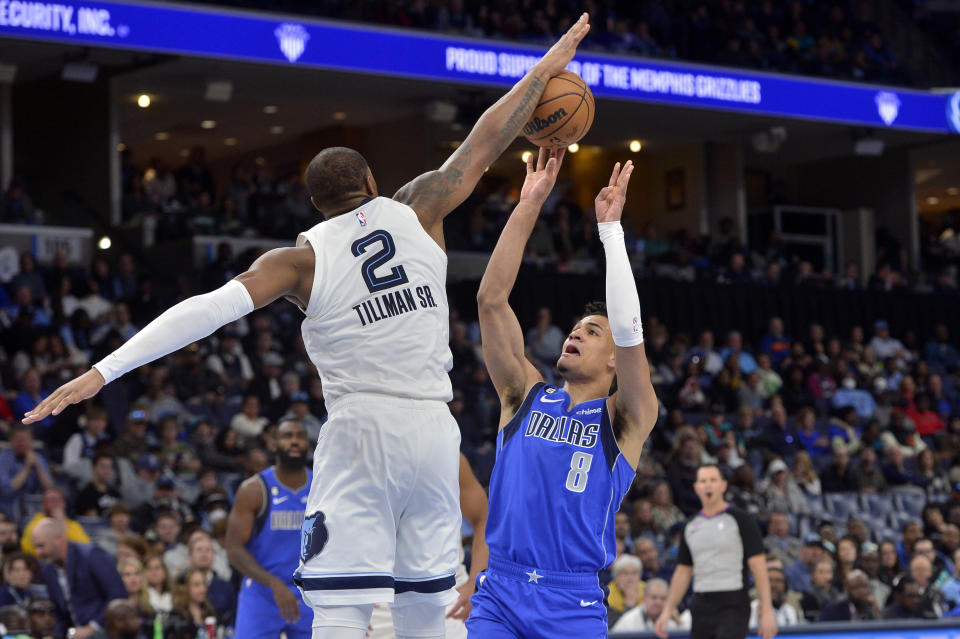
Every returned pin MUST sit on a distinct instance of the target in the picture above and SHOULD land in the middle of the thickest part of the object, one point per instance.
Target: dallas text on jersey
(556, 429)
(394, 303)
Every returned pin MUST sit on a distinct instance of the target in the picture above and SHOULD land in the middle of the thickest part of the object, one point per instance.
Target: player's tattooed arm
(435, 194)
(510, 371)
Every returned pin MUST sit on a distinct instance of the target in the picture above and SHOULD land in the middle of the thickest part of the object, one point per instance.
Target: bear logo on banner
(293, 40)
(888, 106)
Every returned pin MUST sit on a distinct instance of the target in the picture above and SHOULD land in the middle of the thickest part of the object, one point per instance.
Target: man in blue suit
(81, 578)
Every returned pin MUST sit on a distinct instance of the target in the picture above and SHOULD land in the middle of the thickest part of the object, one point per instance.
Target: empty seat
(877, 506)
(841, 505)
(911, 502)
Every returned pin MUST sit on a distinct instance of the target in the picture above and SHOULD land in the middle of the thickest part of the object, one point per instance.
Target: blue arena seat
(911, 502)
(841, 505)
(877, 506)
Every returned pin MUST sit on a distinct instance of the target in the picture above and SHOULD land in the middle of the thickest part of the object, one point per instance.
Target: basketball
(564, 114)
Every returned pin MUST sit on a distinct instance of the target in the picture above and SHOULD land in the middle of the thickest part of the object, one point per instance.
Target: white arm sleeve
(180, 325)
(623, 303)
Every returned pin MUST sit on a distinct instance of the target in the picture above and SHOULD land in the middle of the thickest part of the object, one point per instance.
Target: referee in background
(717, 547)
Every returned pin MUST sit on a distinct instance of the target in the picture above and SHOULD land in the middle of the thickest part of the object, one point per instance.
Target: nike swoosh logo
(551, 401)
(279, 501)
(584, 604)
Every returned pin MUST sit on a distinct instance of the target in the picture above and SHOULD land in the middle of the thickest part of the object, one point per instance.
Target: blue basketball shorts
(259, 618)
(523, 602)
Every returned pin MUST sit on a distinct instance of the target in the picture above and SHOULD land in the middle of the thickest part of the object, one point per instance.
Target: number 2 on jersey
(374, 282)
(579, 467)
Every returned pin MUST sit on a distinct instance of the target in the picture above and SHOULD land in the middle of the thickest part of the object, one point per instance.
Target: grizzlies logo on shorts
(313, 536)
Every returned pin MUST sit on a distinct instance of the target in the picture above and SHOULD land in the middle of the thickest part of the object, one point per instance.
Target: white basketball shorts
(383, 515)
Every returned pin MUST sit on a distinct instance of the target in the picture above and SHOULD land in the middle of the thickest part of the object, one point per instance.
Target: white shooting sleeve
(180, 325)
(623, 303)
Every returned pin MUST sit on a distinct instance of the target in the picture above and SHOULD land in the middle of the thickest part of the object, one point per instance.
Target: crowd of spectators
(836, 39)
(845, 447)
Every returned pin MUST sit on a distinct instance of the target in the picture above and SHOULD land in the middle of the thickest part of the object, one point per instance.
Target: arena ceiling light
(933, 200)
(573, 148)
(230, 141)
(635, 146)
(105, 243)
(953, 190)
(161, 136)
(208, 124)
(143, 100)
(270, 109)
(526, 156)
(218, 91)
(339, 115)
(276, 129)
(84, 72)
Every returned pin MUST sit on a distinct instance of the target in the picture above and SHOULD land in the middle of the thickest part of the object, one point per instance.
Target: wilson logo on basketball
(539, 124)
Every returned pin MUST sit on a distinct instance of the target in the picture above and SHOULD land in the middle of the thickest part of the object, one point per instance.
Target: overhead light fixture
(160, 136)
(184, 153)
(276, 129)
(260, 161)
(143, 101)
(230, 141)
(219, 91)
(270, 109)
(868, 146)
(339, 115)
(933, 200)
(455, 144)
(526, 156)
(635, 146)
(104, 243)
(953, 190)
(573, 148)
(208, 124)
(121, 147)
(79, 72)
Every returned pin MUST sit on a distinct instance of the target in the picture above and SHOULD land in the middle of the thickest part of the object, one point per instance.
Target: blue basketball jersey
(275, 541)
(557, 482)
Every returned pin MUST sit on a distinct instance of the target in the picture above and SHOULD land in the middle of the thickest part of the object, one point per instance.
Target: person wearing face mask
(263, 542)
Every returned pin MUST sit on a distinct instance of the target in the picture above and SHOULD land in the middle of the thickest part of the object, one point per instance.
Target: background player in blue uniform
(263, 542)
(565, 456)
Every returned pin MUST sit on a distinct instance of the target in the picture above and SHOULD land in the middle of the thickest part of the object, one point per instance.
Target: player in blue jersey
(263, 542)
(566, 456)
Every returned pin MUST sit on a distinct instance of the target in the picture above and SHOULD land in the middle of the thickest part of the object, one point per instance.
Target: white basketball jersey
(378, 320)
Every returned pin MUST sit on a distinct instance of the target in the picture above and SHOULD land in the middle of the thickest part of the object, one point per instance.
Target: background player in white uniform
(382, 514)
(473, 505)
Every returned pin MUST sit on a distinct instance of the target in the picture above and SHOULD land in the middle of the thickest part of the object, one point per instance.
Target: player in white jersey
(473, 505)
(382, 516)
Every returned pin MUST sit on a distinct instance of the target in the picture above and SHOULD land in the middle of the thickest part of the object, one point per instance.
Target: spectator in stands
(131, 571)
(895, 470)
(166, 529)
(735, 347)
(798, 572)
(939, 354)
(911, 532)
(847, 555)
(17, 587)
(775, 344)
(781, 491)
(13, 620)
(786, 613)
(42, 616)
(778, 541)
(132, 442)
(23, 471)
(649, 556)
(770, 380)
(682, 473)
(220, 593)
(909, 602)
(175, 454)
(28, 398)
(17, 205)
(871, 478)
(190, 606)
(231, 364)
(248, 423)
(839, 475)
(884, 345)
(100, 494)
(9, 537)
(83, 444)
(925, 419)
(81, 578)
(779, 436)
(300, 411)
(54, 506)
(120, 621)
(869, 563)
(849, 395)
(544, 339)
(889, 562)
(159, 586)
(132, 547)
(626, 589)
(950, 590)
(644, 618)
(665, 513)
(821, 592)
(704, 350)
(858, 605)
